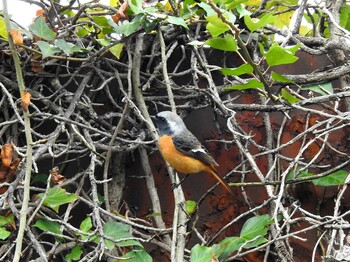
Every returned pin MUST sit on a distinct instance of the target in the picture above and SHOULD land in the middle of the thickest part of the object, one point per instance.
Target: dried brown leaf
(16, 36)
(56, 177)
(121, 13)
(6, 155)
(25, 97)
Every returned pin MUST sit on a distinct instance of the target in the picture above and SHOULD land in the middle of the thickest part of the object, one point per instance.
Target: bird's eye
(160, 119)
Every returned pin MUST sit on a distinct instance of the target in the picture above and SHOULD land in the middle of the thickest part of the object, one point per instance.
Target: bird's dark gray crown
(169, 123)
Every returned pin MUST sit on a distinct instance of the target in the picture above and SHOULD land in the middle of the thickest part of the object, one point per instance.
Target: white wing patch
(198, 150)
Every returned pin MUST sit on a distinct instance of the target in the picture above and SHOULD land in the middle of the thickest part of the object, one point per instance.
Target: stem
(29, 142)
(140, 101)
(165, 70)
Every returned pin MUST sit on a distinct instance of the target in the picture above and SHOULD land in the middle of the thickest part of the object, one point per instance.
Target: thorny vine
(90, 117)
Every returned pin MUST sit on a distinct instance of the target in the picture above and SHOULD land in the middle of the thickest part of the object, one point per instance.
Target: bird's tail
(212, 170)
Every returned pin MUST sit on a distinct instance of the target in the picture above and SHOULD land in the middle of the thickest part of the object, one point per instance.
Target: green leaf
(242, 11)
(226, 247)
(137, 255)
(74, 254)
(67, 48)
(117, 231)
(40, 178)
(216, 26)
(241, 70)
(289, 97)
(280, 78)
(57, 197)
(41, 29)
(109, 244)
(127, 28)
(48, 226)
(261, 48)
(230, 4)
(116, 50)
(207, 8)
(102, 21)
(256, 242)
(334, 179)
(3, 31)
(190, 206)
(5, 220)
(149, 24)
(177, 21)
(277, 55)
(188, 9)
(228, 43)
(68, 12)
(101, 198)
(251, 84)
(323, 89)
(82, 31)
(153, 11)
(104, 41)
(136, 6)
(47, 50)
(255, 226)
(293, 49)
(344, 19)
(86, 225)
(4, 233)
(254, 23)
(201, 253)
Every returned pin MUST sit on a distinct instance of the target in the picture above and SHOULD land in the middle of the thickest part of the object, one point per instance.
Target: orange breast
(177, 160)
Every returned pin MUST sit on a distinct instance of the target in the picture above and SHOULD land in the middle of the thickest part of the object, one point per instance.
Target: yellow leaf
(3, 31)
(117, 49)
(305, 30)
(253, 3)
(167, 7)
(114, 3)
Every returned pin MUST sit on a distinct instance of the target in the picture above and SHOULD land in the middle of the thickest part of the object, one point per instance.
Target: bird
(182, 150)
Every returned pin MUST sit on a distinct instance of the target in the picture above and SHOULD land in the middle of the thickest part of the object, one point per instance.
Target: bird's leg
(175, 185)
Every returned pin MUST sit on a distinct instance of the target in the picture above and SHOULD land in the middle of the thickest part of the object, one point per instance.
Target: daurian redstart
(182, 150)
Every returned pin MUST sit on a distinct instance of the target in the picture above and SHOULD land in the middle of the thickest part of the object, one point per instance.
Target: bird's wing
(188, 144)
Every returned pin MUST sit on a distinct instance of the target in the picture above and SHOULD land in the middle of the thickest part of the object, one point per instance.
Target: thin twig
(29, 142)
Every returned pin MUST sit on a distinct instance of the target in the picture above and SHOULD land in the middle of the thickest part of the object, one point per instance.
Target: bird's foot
(174, 185)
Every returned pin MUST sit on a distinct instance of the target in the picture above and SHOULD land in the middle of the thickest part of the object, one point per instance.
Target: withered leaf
(6, 155)
(25, 97)
(16, 36)
(56, 177)
(121, 13)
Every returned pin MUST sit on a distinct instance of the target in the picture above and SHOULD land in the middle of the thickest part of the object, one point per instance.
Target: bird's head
(169, 123)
